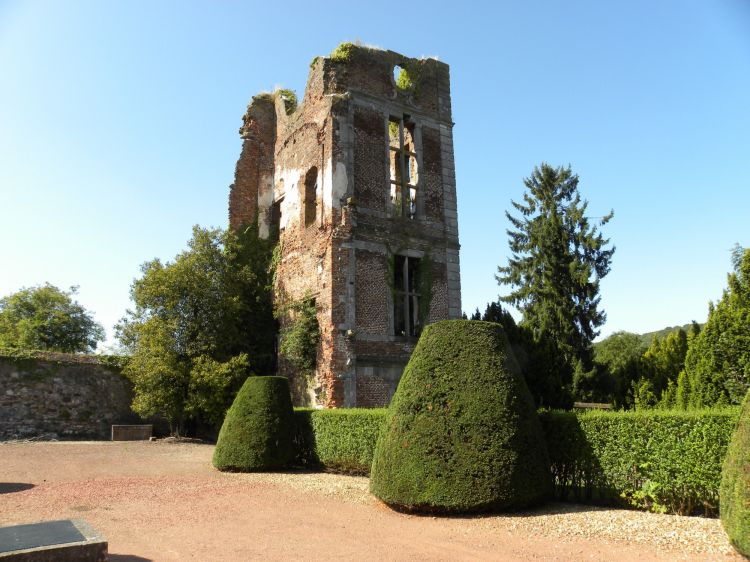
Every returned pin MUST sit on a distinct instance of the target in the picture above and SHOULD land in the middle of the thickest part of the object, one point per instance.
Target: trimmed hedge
(341, 440)
(663, 461)
(735, 484)
(258, 430)
(657, 460)
(461, 434)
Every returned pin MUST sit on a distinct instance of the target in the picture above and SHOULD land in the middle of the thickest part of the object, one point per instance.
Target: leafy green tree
(200, 324)
(682, 392)
(718, 358)
(664, 359)
(45, 317)
(644, 395)
(558, 258)
(621, 356)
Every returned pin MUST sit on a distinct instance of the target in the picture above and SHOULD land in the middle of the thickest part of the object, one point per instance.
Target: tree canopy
(201, 324)
(558, 258)
(621, 354)
(718, 359)
(47, 318)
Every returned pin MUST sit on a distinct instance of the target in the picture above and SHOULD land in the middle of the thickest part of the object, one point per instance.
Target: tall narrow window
(402, 159)
(406, 296)
(310, 196)
(275, 226)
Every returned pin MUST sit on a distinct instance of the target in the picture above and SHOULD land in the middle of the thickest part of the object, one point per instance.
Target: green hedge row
(340, 440)
(657, 460)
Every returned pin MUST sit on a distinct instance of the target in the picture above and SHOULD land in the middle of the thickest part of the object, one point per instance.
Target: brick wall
(341, 260)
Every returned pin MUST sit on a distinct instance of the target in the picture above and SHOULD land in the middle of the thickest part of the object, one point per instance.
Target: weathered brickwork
(372, 305)
(62, 396)
(358, 184)
(369, 161)
(433, 173)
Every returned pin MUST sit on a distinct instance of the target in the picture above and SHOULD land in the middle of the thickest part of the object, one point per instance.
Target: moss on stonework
(344, 52)
(289, 97)
(407, 81)
(30, 356)
(263, 96)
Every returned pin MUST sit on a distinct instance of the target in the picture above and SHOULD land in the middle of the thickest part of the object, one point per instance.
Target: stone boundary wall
(62, 396)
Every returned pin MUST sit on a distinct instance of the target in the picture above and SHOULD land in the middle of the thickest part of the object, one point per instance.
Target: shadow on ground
(549, 508)
(127, 558)
(10, 487)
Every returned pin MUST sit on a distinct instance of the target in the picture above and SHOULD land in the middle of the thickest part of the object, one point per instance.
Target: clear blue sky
(118, 130)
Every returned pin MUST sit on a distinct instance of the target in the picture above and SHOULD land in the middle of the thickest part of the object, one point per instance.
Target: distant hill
(649, 336)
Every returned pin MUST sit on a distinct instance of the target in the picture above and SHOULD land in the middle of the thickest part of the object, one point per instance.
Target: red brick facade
(324, 173)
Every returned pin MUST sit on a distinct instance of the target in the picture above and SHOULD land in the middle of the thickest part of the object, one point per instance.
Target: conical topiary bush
(258, 429)
(734, 494)
(462, 433)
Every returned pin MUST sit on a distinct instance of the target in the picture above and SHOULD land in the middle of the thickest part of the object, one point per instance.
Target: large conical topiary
(735, 484)
(461, 433)
(258, 429)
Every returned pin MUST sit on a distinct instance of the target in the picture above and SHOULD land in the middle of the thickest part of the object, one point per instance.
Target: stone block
(52, 541)
(142, 432)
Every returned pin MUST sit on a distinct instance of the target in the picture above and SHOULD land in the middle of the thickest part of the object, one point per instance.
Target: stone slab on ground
(133, 432)
(52, 541)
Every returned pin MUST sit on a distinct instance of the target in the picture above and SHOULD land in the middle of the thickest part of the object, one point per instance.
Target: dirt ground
(161, 501)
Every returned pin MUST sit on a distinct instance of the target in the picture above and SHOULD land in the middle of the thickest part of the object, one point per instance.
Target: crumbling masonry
(358, 184)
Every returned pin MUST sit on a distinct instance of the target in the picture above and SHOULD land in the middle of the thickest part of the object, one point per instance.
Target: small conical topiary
(734, 494)
(258, 429)
(462, 433)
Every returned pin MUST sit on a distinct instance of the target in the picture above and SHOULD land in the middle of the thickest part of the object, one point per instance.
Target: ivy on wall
(299, 339)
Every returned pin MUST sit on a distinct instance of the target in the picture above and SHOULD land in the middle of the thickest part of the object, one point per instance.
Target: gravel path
(557, 520)
(160, 501)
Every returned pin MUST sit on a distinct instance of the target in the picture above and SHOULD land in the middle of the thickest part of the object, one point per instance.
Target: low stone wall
(62, 396)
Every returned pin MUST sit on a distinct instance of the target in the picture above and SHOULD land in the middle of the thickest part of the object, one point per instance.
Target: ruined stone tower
(358, 184)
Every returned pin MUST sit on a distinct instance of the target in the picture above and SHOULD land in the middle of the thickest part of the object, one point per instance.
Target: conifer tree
(558, 258)
(718, 358)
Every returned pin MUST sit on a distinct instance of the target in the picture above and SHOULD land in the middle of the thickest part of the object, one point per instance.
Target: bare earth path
(162, 501)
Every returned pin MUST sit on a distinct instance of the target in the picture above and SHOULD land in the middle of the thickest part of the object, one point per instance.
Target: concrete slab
(52, 541)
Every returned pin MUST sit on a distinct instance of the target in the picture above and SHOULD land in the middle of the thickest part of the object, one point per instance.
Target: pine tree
(558, 258)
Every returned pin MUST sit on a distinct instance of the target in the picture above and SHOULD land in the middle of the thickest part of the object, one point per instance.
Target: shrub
(461, 434)
(338, 440)
(258, 429)
(658, 460)
(735, 484)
